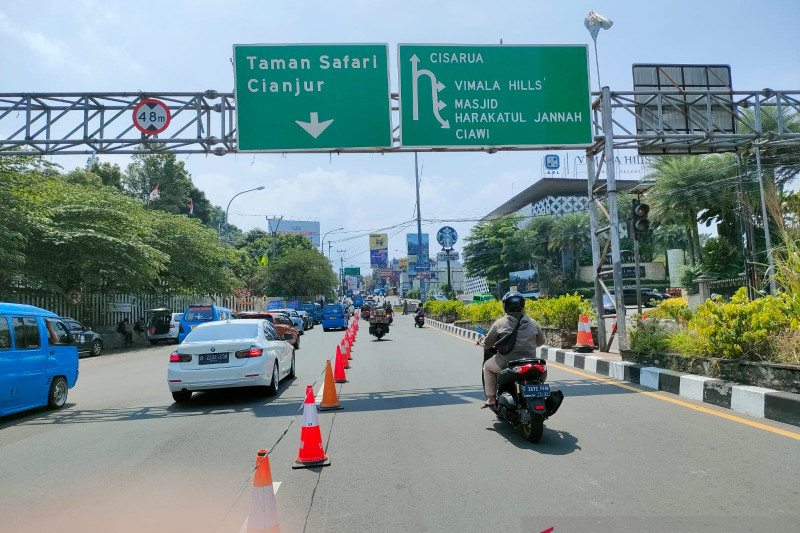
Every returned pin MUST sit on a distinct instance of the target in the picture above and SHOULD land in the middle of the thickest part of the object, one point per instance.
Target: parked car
(194, 315)
(38, 359)
(308, 320)
(295, 318)
(88, 342)
(281, 322)
(162, 325)
(236, 353)
(657, 294)
(439, 297)
(608, 305)
(629, 296)
(334, 317)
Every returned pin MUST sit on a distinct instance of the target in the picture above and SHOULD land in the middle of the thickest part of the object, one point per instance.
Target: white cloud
(52, 52)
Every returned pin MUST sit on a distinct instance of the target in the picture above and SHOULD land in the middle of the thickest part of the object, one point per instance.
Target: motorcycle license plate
(535, 391)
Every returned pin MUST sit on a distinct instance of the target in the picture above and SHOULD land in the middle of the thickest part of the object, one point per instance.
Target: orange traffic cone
(345, 356)
(329, 399)
(263, 516)
(584, 342)
(347, 351)
(311, 453)
(338, 371)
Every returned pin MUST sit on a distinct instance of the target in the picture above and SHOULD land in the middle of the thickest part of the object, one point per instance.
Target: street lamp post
(322, 244)
(226, 216)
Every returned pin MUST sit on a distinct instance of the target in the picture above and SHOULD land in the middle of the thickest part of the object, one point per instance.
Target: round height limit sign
(151, 116)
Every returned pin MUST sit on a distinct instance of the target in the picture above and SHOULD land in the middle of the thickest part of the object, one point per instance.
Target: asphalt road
(410, 451)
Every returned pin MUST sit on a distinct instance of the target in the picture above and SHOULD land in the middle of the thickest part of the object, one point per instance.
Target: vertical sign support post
(419, 233)
(596, 254)
(611, 181)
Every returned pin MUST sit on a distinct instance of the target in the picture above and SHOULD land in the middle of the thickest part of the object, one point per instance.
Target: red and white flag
(154, 194)
(191, 206)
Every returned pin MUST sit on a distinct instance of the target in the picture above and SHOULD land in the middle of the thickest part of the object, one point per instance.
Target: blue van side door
(26, 364)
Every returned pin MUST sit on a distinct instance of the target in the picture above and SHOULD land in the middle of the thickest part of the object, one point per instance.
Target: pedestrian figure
(128, 333)
(405, 307)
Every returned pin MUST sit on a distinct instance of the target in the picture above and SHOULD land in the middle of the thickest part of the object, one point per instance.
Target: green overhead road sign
(465, 96)
(352, 271)
(312, 97)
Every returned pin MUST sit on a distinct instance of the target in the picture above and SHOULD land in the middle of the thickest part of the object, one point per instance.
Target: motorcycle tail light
(521, 369)
(540, 368)
(176, 357)
(539, 407)
(254, 351)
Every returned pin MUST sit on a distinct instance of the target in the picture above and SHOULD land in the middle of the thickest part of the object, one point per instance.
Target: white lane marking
(318, 397)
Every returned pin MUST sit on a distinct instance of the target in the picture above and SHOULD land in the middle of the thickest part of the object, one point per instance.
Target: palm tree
(684, 187)
(571, 232)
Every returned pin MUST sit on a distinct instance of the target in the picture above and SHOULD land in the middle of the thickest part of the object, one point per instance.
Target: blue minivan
(333, 316)
(38, 359)
(194, 315)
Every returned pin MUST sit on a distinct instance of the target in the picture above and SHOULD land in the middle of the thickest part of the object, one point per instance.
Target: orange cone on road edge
(347, 351)
(329, 399)
(263, 516)
(311, 454)
(584, 342)
(338, 371)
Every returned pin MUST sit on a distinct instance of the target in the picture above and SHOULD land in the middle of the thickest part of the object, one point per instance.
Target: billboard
(417, 255)
(523, 280)
(378, 250)
(308, 229)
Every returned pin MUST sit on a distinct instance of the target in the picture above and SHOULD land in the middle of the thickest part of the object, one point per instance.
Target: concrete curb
(754, 401)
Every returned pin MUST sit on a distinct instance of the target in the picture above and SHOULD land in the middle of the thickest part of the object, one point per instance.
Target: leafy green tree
(146, 172)
(196, 257)
(489, 250)
(298, 272)
(111, 175)
(722, 260)
(88, 237)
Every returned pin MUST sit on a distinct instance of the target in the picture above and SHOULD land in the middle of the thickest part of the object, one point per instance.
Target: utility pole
(419, 235)
(341, 270)
(274, 233)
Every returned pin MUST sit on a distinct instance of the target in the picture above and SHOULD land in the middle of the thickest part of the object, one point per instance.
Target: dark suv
(88, 341)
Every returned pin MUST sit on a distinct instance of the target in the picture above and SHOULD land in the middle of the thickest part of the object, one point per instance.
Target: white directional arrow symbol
(314, 127)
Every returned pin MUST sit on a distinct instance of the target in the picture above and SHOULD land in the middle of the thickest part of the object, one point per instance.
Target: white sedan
(227, 354)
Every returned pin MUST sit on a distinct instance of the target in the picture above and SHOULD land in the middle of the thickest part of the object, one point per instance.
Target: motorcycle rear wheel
(533, 432)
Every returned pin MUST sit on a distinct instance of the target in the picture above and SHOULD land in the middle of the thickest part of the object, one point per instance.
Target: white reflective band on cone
(310, 417)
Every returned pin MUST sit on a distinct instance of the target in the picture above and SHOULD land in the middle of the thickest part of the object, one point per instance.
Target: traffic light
(640, 223)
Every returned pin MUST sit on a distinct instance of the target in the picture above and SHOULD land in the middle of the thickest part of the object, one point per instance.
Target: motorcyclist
(529, 337)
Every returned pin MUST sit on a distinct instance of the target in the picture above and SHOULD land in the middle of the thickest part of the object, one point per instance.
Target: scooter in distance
(523, 397)
(419, 321)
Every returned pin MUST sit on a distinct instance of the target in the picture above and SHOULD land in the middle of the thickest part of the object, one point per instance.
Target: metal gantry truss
(102, 123)
(673, 121)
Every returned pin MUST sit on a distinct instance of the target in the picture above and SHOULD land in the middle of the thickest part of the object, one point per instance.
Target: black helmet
(513, 302)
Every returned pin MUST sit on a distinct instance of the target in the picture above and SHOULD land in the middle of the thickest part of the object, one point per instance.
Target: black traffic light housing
(639, 222)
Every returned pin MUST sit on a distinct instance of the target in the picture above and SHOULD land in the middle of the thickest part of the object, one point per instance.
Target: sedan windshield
(332, 309)
(219, 332)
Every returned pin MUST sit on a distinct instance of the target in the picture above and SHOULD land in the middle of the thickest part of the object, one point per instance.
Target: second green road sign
(312, 97)
(465, 96)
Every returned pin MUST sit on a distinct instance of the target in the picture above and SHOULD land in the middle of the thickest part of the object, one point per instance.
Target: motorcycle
(523, 397)
(366, 313)
(379, 323)
(419, 321)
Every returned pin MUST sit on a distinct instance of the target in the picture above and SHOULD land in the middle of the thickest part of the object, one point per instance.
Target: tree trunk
(690, 242)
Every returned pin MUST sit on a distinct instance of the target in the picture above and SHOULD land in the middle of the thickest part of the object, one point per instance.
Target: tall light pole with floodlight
(226, 216)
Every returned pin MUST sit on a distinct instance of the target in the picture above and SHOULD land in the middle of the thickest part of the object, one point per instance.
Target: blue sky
(92, 45)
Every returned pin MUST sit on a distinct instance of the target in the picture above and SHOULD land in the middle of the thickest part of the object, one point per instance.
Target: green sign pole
(464, 96)
(312, 97)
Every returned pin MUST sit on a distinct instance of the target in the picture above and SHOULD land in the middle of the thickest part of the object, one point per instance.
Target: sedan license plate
(535, 391)
(213, 358)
